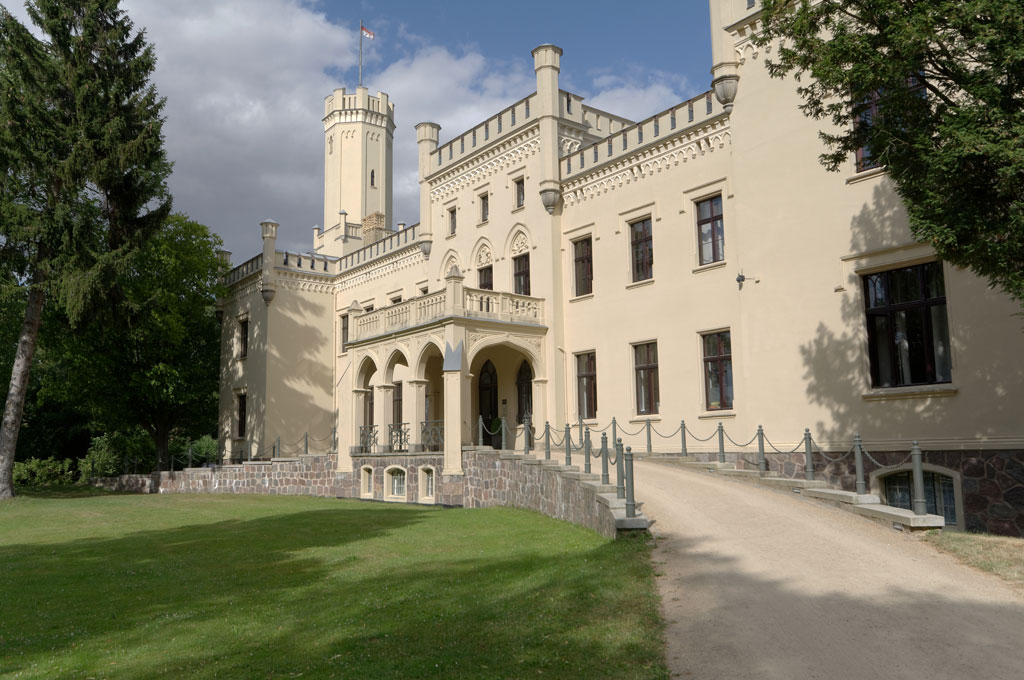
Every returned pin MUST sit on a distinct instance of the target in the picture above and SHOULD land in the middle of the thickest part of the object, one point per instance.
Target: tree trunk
(15, 405)
(162, 438)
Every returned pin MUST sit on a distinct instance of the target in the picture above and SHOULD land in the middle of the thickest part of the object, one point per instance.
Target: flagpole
(360, 53)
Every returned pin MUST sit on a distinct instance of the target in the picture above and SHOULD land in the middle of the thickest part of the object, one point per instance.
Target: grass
(999, 555)
(211, 586)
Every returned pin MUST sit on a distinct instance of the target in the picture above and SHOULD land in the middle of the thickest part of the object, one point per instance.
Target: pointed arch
(518, 234)
(450, 257)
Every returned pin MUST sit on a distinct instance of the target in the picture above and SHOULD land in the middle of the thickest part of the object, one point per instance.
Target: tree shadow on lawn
(363, 590)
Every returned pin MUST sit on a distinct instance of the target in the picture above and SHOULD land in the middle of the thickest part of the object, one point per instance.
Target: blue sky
(245, 82)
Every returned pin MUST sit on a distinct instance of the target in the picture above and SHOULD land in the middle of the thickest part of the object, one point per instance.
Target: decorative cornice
(688, 145)
(511, 151)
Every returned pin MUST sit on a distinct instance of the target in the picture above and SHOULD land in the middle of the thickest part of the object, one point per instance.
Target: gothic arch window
(524, 391)
(373, 181)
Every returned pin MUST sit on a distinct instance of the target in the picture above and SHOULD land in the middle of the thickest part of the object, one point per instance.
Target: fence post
(568, 446)
(721, 443)
(586, 451)
(762, 464)
(630, 500)
(547, 440)
(615, 431)
(918, 500)
(581, 428)
(190, 455)
(480, 430)
(858, 461)
(250, 450)
(277, 447)
(504, 435)
(620, 471)
(648, 437)
(682, 434)
(334, 440)
(526, 434)
(808, 460)
(604, 458)
(305, 444)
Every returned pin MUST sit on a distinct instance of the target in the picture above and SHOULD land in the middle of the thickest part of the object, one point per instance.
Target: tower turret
(358, 134)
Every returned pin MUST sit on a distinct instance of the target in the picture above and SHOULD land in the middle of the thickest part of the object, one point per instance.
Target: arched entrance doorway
(524, 391)
(487, 398)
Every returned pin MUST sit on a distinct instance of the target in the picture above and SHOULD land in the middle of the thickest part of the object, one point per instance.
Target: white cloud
(639, 93)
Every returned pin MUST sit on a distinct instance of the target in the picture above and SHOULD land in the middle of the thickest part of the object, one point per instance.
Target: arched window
(426, 485)
(373, 181)
(939, 493)
(396, 483)
(524, 390)
(366, 482)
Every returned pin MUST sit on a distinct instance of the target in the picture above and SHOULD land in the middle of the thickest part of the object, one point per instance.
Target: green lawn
(208, 586)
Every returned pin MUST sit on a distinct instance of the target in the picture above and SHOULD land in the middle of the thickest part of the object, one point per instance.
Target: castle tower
(358, 133)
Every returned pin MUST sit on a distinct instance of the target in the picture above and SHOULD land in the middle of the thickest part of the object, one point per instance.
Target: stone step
(638, 523)
(582, 476)
(707, 465)
(601, 488)
(848, 497)
(899, 516)
(738, 473)
(609, 500)
(793, 483)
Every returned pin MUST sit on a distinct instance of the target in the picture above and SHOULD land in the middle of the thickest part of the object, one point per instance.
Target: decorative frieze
(512, 152)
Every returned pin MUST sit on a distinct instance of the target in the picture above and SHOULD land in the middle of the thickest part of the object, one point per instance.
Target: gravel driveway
(757, 583)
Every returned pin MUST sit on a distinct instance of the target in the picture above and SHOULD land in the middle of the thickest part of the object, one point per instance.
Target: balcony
(454, 301)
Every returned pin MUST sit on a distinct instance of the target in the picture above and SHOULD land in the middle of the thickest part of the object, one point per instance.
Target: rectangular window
(624, 140)
(521, 268)
(520, 191)
(499, 123)
(484, 207)
(487, 131)
(527, 113)
(451, 220)
(640, 134)
(642, 249)
(711, 230)
(396, 404)
(583, 258)
(581, 160)
(462, 145)
(474, 137)
(865, 159)
(717, 348)
(568, 103)
(586, 384)
(485, 278)
(568, 164)
(645, 362)
(657, 128)
(672, 120)
(450, 151)
(707, 98)
(595, 153)
(241, 415)
(344, 333)
(243, 338)
(689, 111)
(397, 300)
(512, 116)
(908, 332)
(609, 146)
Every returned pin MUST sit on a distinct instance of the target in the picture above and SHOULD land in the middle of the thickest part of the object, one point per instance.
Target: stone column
(413, 400)
(384, 407)
(453, 416)
(358, 405)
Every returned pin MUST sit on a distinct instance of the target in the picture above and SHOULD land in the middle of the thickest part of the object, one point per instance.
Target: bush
(44, 472)
(115, 453)
(194, 452)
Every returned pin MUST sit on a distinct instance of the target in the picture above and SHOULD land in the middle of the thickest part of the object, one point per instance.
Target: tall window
(397, 482)
(584, 261)
(373, 181)
(908, 332)
(711, 229)
(243, 338)
(451, 220)
(524, 391)
(241, 415)
(520, 191)
(521, 269)
(865, 159)
(344, 333)
(717, 371)
(642, 248)
(486, 278)
(484, 207)
(645, 363)
(586, 384)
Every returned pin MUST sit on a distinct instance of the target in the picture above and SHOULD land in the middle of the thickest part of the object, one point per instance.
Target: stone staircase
(865, 505)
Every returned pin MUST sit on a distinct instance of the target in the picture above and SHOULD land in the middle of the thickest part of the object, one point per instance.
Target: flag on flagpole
(366, 32)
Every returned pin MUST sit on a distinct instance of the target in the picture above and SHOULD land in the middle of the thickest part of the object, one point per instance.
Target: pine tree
(82, 167)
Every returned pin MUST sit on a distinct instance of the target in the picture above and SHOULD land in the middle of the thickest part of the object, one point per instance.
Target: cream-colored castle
(572, 265)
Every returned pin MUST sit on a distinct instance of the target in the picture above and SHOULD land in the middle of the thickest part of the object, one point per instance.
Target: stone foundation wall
(991, 482)
(491, 478)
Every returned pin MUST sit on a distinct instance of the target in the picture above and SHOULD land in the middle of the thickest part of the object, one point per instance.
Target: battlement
(344, 106)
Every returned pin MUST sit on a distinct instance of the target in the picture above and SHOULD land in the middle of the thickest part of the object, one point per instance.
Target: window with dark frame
(865, 159)
(908, 330)
(243, 338)
(520, 192)
(583, 257)
(521, 274)
(717, 349)
(586, 384)
(396, 403)
(373, 182)
(711, 230)
(451, 221)
(642, 249)
(485, 278)
(241, 416)
(344, 333)
(645, 365)
(484, 207)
